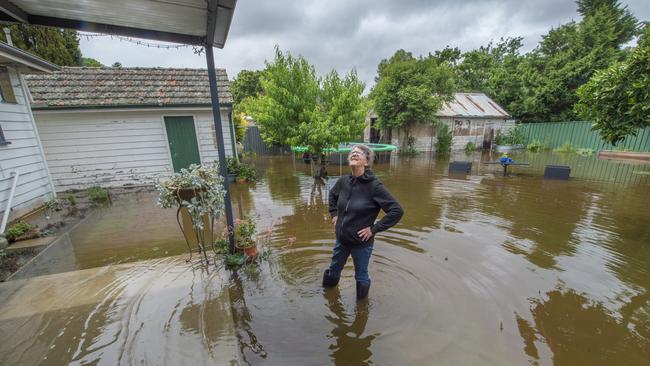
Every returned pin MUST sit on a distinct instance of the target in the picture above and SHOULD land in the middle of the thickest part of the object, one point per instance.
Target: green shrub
(566, 148)
(221, 246)
(445, 139)
(514, 136)
(536, 146)
(97, 194)
(410, 149)
(232, 165)
(72, 200)
(235, 260)
(584, 151)
(18, 229)
(470, 147)
(54, 205)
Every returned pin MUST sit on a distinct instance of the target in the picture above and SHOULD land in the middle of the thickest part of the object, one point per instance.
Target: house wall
(464, 130)
(119, 147)
(24, 155)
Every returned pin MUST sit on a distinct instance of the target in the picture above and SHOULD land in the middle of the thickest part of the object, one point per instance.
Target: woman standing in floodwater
(354, 204)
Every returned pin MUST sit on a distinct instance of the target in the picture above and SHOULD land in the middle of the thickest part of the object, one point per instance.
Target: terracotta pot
(241, 180)
(252, 251)
(249, 251)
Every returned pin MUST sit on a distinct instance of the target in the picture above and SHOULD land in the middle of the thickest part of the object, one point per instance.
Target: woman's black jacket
(356, 202)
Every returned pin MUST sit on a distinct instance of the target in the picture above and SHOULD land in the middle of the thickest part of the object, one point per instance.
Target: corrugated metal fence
(580, 135)
(253, 142)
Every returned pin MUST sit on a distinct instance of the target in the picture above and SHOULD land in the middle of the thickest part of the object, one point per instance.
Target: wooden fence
(580, 135)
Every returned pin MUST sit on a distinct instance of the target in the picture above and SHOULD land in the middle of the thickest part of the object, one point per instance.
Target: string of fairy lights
(90, 36)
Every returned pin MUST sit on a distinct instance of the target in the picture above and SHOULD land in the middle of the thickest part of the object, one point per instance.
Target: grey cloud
(345, 34)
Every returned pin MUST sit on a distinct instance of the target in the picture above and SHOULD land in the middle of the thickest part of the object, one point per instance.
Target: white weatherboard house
(126, 126)
(21, 156)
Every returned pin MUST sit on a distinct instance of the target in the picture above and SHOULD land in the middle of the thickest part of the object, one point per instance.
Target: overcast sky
(343, 34)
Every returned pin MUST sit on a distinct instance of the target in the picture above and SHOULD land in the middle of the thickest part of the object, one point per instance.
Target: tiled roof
(118, 87)
(472, 105)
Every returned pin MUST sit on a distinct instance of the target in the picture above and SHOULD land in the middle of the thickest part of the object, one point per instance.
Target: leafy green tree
(90, 62)
(299, 108)
(478, 66)
(59, 46)
(247, 84)
(116, 64)
(411, 90)
(568, 56)
(618, 99)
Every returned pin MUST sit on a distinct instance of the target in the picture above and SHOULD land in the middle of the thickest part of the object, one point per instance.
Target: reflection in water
(351, 346)
(248, 342)
(578, 331)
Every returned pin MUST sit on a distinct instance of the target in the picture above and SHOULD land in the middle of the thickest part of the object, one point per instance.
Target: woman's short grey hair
(370, 155)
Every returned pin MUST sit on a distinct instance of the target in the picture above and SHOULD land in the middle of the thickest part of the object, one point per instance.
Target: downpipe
(7, 212)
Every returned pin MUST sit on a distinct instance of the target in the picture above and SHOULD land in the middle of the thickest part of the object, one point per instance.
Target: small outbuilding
(472, 117)
(127, 126)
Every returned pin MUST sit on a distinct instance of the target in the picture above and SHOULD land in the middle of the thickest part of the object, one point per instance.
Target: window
(6, 89)
(2, 138)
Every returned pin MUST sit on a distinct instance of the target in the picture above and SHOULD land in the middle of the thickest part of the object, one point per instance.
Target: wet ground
(482, 270)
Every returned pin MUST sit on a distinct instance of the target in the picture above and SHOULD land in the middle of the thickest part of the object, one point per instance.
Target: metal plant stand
(200, 236)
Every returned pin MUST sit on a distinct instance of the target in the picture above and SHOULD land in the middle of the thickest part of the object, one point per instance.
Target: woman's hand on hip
(334, 220)
(365, 234)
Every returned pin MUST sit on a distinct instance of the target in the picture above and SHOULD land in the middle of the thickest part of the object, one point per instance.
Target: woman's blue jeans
(360, 257)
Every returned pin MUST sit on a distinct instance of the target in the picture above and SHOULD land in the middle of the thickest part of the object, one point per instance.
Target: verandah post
(223, 166)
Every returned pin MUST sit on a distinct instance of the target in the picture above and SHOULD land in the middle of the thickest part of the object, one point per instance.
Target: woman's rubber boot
(329, 281)
(362, 289)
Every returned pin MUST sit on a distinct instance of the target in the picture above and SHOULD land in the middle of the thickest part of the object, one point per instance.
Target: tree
(411, 90)
(299, 108)
(117, 64)
(246, 84)
(570, 54)
(478, 66)
(618, 99)
(90, 62)
(59, 46)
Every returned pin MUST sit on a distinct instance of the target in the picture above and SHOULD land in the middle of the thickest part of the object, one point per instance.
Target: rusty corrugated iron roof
(472, 105)
(75, 87)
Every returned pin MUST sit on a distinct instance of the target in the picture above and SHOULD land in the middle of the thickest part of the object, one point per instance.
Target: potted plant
(245, 236)
(240, 172)
(233, 168)
(200, 190)
(246, 173)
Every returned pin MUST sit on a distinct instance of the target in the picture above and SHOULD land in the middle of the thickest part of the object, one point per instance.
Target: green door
(182, 142)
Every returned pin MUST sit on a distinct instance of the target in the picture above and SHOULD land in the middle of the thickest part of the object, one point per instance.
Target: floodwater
(483, 270)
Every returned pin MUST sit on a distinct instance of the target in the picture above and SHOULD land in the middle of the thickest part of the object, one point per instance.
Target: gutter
(45, 107)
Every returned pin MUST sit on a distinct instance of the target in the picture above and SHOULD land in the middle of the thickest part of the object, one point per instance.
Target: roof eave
(219, 15)
(45, 107)
(16, 56)
(219, 21)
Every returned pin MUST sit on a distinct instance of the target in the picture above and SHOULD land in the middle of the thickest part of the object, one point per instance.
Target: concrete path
(154, 312)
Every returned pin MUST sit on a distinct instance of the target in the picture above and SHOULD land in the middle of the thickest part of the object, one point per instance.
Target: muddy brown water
(482, 270)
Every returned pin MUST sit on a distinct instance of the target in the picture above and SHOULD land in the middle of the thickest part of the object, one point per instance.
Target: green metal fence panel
(580, 135)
